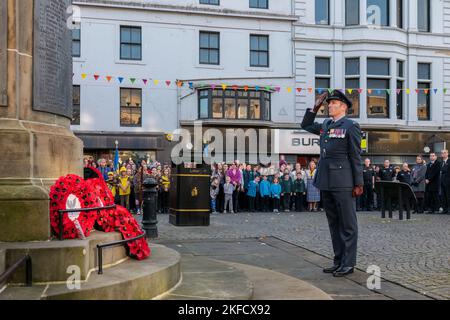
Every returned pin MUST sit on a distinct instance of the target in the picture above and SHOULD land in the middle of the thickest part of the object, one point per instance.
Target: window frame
(200, 48)
(400, 7)
(401, 78)
(428, 82)
(388, 13)
(132, 44)
(346, 14)
(76, 41)
(260, 51)
(328, 14)
(258, 6)
(209, 2)
(265, 103)
(379, 77)
(349, 76)
(130, 107)
(327, 77)
(428, 30)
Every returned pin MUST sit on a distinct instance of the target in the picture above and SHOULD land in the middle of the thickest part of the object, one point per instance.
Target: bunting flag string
(289, 89)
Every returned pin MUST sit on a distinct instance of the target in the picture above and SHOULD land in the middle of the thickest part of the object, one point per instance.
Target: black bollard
(150, 198)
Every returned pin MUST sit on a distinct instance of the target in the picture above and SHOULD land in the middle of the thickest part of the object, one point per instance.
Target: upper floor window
(234, 104)
(400, 14)
(130, 43)
(323, 12)
(76, 106)
(424, 86)
(424, 15)
(378, 84)
(76, 43)
(351, 12)
(259, 51)
(323, 81)
(352, 84)
(378, 12)
(209, 48)
(401, 87)
(259, 4)
(214, 2)
(130, 107)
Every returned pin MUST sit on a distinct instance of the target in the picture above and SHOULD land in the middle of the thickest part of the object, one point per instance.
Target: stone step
(50, 259)
(207, 279)
(130, 280)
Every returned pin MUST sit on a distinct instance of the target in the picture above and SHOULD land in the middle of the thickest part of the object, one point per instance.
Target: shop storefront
(149, 147)
(297, 146)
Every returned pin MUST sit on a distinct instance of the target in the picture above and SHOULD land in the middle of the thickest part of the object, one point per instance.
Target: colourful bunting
(435, 91)
(289, 89)
(213, 86)
(299, 90)
(330, 90)
(360, 91)
(445, 90)
(398, 91)
(96, 77)
(191, 85)
(388, 91)
(180, 83)
(83, 76)
(369, 91)
(235, 87)
(417, 91)
(349, 91)
(108, 78)
(246, 88)
(145, 81)
(257, 88)
(277, 89)
(310, 90)
(224, 87)
(427, 91)
(156, 82)
(168, 83)
(408, 91)
(132, 80)
(120, 79)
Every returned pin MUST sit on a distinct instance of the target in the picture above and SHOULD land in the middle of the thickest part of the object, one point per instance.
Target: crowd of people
(430, 182)
(286, 187)
(244, 188)
(126, 183)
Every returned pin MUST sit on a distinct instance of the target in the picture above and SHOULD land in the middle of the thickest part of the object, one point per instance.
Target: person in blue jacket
(264, 190)
(251, 193)
(275, 190)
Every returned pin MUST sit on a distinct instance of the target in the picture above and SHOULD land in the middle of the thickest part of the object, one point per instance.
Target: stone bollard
(150, 198)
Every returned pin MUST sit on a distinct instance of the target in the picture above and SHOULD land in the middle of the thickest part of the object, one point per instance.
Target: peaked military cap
(338, 95)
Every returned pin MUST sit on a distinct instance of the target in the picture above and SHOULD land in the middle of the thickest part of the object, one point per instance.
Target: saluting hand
(358, 191)
(320, 101)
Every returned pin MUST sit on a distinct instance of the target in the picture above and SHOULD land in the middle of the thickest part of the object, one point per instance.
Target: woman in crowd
(418, 182)
(313, 194)
(165, 190)
(235, 178)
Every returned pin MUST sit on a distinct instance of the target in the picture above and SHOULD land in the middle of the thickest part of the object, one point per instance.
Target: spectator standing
(432, 184)
(286, 192)
(214, 191)
(445, 182)
(404, 175)
(313, 194)
(264, 190)
(124, 188)
(229, 190)
(252, 191)
(235, 176)
(275, 191)
(299, 190)
(418, 173)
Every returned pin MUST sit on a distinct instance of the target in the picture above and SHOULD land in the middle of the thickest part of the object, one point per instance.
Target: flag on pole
(116, 159)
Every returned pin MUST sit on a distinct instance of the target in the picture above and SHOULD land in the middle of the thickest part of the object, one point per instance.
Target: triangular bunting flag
(191, 85)
(145, 81)
(289, 89)
(435, 91)
(319, 91)
(330, 90)
(257, 88)
(268, 88)
(132, 80)
(180, 83)
(213, 86)
(399, 90)
(427, 91)
(224, 87)
(310, 90)
(156, 82)
(108, 78)
(299, 90)
(96, 76)
(360, 91)
(445, 90)
(408, 91)
(417, 91)
(168, 82)
(350, 91)
(83, 76)
(277, 89)
(388, 91)
(120, 79)
(369, 91)
(246, 88)
(235, 88)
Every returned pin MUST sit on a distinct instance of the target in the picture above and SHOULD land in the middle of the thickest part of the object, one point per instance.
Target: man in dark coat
(339, 176)
(432, 184)
(445, 181)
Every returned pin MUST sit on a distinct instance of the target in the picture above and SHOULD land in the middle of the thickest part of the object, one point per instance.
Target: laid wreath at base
(73, 192)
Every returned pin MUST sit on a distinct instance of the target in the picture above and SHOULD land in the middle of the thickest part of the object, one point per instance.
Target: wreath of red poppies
(73, 192)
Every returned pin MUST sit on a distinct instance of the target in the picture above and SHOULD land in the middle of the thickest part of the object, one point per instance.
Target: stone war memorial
(44, 174)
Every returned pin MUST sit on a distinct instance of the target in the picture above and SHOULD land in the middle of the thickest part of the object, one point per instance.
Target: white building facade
(126, 53)
(380, 45)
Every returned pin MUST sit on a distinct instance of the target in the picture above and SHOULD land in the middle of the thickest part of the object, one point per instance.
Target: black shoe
(331, 269)
(430, 212)
(342, 272)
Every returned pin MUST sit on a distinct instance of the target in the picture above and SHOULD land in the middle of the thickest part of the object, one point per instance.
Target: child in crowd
(299, 190)
(264, 191)
(286, 192)
(228, 189)
(214, 192)
(124, 188)
(251, 193)
(275, 190)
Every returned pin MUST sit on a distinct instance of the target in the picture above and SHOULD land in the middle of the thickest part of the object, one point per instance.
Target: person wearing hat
(339, 176)
(124, 188)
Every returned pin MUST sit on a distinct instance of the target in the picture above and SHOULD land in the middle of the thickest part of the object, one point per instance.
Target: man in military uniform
(369, 185)
(339, 176)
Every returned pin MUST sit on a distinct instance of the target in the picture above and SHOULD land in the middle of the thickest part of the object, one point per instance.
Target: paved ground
(414, 254)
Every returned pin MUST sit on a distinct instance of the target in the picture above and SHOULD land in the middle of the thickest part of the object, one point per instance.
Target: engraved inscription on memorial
(3, 52)
(52, 58)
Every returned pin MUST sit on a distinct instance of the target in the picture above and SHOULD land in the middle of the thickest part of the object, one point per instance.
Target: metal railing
(100, 248)
(62, 212)
(11, 270)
